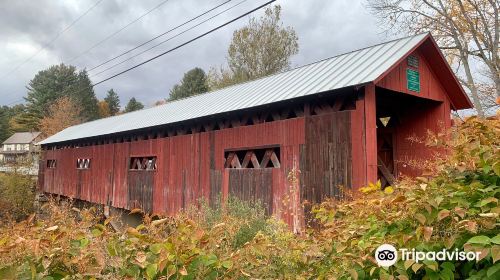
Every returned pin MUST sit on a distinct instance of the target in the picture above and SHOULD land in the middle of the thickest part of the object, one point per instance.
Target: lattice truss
(83, 163)
(143, 163)
(260, 158)
(51, 163)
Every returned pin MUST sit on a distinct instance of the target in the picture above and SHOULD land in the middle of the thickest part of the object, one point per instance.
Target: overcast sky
(325, 28)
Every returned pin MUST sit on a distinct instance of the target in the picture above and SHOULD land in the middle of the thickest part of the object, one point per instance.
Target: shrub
(17, 195)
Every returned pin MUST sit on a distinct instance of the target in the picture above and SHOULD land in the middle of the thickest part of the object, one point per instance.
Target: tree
(113, 101)
(19, 120)
(4, 123)
(467, 31)
(133, 105)
(194, 82)
(261, 48)
(55, 82)
(104, 110)
(63, 113)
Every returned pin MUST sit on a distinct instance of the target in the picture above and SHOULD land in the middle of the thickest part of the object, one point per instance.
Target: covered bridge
(342, 122)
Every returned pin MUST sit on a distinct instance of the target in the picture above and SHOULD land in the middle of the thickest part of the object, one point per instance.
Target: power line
(177, 47)
(185, 43)
(53, 40)
(118, 31)
(172, 29)
(158, 36)
(168, 39)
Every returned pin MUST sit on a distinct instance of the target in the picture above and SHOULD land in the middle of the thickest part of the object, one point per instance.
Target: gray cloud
(325, 28)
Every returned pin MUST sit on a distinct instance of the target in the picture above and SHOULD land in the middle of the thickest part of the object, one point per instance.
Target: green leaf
(151, 270)
(84, 242)
(227, 264)
(488, 201)
(111, 249)
(96, 232)
(480, 239)
(496, 239)
(448, 265)
(494, 271)
(156, 248)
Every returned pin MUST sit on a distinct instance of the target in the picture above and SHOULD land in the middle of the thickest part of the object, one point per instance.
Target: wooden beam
(229, 159)
(275, 160)
(284, 114)
(235, 122)
(338, 103)
(235, 163)
(385, 172)
(266, 158)
(276, 116)
(209, 126)
(255, 161)
(299, 112)
(246, 159)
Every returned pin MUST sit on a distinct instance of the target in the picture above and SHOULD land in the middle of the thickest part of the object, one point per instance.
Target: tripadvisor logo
(387, 255)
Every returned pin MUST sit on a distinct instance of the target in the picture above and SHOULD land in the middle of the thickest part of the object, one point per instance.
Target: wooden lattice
(259, 158)
(83, 163)
(51, 163)
(143, 163)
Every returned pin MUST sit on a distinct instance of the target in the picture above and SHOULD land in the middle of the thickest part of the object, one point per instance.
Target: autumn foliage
(62, 114)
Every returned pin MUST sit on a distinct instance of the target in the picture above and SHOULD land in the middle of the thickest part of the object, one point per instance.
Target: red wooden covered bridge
(342, 122)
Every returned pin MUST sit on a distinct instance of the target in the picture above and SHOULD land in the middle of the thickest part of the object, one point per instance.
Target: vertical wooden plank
(371, 133)
(358, 144)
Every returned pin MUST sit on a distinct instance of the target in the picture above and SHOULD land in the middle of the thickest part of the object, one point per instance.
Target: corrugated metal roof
(22, 138)
(349, 69)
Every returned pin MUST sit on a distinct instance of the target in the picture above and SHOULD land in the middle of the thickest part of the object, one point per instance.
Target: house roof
(345, 70)
(22, 138)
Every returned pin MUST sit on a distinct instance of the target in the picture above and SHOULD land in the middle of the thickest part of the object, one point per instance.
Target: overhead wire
(118, 31)
(185, 43)
(159, 35)
(154, 38)
(176, 47)
(168, 39)
(53, 40)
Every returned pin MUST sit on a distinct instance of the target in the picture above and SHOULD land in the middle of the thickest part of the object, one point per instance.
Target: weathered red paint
(184, 166)
(332, 139)
(417, 120)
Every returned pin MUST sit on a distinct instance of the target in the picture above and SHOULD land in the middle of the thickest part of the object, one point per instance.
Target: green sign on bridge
(413, 80)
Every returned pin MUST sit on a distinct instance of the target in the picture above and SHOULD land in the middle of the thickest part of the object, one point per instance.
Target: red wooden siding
(326, 158)
(430, 85)
(189, 167)
(364, 138)
(417, 118)
(416, 123)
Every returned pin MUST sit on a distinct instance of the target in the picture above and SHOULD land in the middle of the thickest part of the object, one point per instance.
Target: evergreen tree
(194, 82)
(113, 101)
(4, 123)
(133, 105)
(53, 83)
